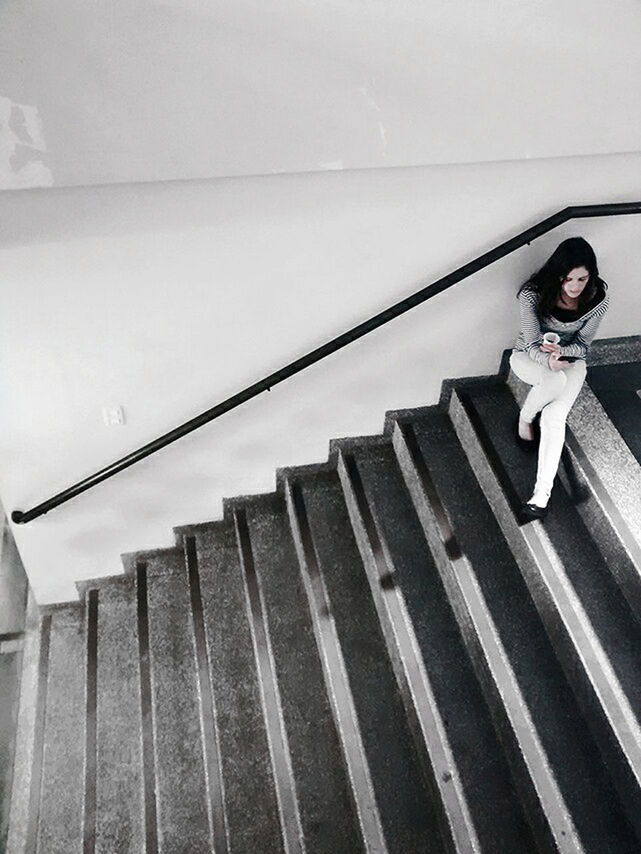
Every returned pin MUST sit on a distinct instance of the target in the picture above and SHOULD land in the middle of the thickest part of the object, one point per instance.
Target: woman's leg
(553, 420)
(546, 385)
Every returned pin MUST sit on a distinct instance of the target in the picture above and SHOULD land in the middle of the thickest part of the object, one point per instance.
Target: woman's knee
(524, 368)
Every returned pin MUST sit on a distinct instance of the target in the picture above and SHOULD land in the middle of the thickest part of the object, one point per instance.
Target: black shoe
(533, 511)
(529, 445)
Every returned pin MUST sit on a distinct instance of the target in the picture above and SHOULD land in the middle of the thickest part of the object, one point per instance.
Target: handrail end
(18, 517)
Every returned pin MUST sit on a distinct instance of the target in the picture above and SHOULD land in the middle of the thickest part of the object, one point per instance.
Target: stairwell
(377, 657)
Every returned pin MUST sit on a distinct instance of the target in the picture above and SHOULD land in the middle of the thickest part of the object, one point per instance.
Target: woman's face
(575, 281)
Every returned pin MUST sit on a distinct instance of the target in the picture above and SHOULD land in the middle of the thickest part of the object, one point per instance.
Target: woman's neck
(564, 301)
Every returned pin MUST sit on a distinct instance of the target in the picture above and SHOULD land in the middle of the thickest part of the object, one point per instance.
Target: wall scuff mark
(366, 93)
(21, 139)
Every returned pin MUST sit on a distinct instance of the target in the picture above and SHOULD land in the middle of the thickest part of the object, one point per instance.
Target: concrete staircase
(377, 657)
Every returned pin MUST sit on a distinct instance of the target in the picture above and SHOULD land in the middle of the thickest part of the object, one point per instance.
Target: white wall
(167, 298)
(131, 91)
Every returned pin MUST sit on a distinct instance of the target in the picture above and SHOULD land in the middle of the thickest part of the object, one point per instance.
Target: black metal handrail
(429, 291)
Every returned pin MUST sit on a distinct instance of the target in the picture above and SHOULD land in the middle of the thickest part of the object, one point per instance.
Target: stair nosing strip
(270, 696)
(335, 673)
(446, 774)
(208, 713)
(578, 629)
(559, 820)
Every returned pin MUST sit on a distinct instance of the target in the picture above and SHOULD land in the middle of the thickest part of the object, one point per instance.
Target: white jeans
(552, 394)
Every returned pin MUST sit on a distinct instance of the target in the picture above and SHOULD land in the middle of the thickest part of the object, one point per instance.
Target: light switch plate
(113, 416)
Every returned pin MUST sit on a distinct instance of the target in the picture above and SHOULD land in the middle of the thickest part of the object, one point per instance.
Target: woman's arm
(583, 338)
(531, 328)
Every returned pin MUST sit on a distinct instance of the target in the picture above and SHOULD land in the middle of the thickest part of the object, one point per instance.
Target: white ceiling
(131, 91)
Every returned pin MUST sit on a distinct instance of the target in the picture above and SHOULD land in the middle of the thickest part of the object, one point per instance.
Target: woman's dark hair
(571, 253)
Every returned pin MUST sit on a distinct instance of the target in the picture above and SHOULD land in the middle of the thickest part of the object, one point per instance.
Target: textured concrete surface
(25, 733)
(181, 790)
(335, 673)
(609, 351)
(250, 799)
(10, 669)
(624, 410)
(63, 781)
(408, 814)
(496, 814)
(609, 455)
(119, 781)
(504, 617)
(618, 387)
(324, 800)
(503, 636)
(554, 565)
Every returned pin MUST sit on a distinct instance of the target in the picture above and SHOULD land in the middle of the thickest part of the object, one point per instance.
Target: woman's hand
(556, 363)
(549, 348)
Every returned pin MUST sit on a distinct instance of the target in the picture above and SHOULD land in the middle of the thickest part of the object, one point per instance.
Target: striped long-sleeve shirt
(576, 335)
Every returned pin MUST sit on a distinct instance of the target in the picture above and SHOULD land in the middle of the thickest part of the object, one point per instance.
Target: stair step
(10, 668)
(239, 743)
(325, 812)
(599, 472)
(556, 767)
(180, 782)
(368, 698)
(594, 632)
(29, 734)
(412, 600)
(381, 657)
(617, 388)
(60, 814)
(116, 821)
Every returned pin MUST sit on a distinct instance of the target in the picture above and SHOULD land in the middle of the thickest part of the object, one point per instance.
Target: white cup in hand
(551, 338)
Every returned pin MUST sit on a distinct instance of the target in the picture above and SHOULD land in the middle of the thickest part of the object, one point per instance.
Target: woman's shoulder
(528, 293)
(598, 305)
(601, 299)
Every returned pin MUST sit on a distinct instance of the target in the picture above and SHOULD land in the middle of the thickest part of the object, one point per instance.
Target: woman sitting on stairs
(566, 297)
